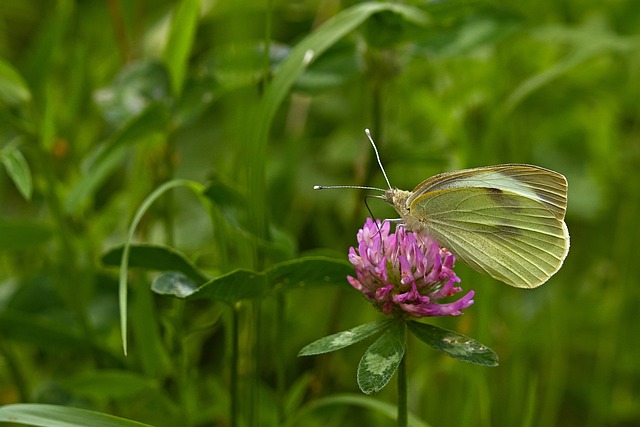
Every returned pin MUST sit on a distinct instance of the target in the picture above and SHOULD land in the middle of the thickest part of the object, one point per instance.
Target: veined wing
(533, 182)
(508, 236)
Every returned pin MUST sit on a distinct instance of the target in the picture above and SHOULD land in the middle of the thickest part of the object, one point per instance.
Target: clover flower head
(405, 273)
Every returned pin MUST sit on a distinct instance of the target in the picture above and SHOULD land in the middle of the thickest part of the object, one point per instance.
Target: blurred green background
(102, 102)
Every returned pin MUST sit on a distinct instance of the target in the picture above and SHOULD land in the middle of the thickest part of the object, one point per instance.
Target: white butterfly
(506, 221)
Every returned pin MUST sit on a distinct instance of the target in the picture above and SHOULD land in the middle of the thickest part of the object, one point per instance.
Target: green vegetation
(184, 138)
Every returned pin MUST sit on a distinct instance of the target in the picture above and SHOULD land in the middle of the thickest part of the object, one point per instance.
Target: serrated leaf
(308, 271)
(381, 360)
(13, 88)
(173, 283)
(18, 170)
(155, 257)
(20, 234)
(233, 287)
(454, 344)
(36, 414)
(345, 338)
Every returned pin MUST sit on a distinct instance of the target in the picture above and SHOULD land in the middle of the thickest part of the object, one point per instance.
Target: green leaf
(21, 234)
(111, 384)
(155, 257)
(345, 338)
(13, 88)
(173, 283)
(591, 40)
(340, 64)
(301, 56)
(42, 331)
(18, 170)
(308, 271)
(466, 31)
(366, 402)
(138, 86)
(380, 361)
(235, 286)
(229, 201)
(33, 414)
(454, 344)
(197, 188)
(151, 121)
(178, 49)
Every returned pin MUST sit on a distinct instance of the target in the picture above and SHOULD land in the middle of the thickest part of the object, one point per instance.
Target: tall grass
(101, 103)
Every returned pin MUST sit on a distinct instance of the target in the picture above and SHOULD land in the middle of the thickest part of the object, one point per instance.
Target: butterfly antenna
(375, 149)
(357, 187)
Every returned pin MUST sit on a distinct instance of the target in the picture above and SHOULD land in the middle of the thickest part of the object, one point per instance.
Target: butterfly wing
(497, 226)
(544, 185)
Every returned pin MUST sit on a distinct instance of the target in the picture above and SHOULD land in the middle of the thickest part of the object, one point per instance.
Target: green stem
(279, 361)
(235, 354)
(402, 393)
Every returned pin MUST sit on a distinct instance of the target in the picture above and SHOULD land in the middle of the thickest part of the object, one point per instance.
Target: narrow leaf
(124, 262)
(33, 414)
(309, 271)
(173, 283)
(345, 338)
(235, 286)
(183, 28)
(13, 88)
(454, 344)
(18, 170)
(155, 257)
(380, 361)
(285, 76)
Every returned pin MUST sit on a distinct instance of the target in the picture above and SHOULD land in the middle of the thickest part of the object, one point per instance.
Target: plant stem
(402, 393)
(235, 354)
(279, 361)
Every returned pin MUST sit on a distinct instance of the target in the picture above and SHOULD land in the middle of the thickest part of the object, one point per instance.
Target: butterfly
(505, 221)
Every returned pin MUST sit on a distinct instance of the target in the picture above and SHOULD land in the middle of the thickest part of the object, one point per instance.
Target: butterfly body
(506, 221)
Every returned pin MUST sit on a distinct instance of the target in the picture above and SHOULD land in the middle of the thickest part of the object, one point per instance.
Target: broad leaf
(235, 286)
(155, 257)
(345, 338)
(173, 283)
(139, 86)
(454, 344)
(380, 361)
(308, 271)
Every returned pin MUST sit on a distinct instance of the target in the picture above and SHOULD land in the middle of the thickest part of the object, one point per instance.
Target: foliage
(108, 109)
